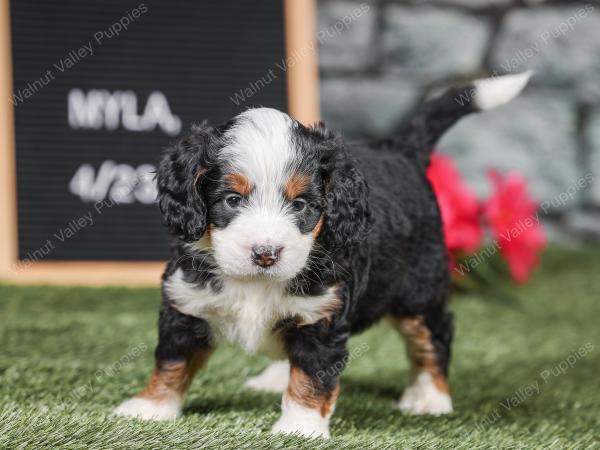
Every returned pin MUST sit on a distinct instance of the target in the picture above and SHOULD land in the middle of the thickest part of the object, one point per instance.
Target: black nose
(265, 255)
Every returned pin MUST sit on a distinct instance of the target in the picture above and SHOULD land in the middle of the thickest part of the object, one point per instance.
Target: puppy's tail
(434, 117)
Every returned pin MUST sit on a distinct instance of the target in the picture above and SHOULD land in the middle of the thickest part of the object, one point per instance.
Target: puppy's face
(265, 206)
(258, 192)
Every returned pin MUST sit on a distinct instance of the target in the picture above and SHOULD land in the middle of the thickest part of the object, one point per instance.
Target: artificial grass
(69, 355)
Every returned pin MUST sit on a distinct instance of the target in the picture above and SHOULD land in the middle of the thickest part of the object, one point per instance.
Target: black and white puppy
(286, 240)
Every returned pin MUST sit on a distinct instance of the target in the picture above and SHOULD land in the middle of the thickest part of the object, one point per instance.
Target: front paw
(300, 420)
(308, 429)
(146, 409)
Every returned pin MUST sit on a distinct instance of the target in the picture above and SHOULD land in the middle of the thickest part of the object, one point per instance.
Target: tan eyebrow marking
(239, 183)
(297, 184)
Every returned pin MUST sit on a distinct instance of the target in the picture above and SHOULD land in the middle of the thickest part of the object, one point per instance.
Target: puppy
(286, 241)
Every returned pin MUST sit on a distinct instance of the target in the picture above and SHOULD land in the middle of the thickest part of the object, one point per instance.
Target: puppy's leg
(317, 357)
(183, 348)
(275, 378)
(428, 347)
(306, 406)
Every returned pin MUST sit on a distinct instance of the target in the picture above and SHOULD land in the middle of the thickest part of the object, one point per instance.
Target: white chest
(246, 312)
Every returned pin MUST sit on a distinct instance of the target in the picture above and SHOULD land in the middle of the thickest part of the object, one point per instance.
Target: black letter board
(101, 87)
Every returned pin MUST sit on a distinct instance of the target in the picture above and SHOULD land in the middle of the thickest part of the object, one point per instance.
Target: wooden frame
(303, 74)
(303, 104)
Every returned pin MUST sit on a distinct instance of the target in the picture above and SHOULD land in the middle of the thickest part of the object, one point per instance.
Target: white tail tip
(496, 91)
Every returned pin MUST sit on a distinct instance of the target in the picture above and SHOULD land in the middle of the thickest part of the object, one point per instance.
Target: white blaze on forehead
(260, 147)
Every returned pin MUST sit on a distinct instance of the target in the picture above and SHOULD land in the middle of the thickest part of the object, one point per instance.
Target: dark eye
(299, 204)
(233, 200)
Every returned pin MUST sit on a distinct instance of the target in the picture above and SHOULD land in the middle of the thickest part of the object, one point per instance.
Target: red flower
(514, 221)
(458, 206)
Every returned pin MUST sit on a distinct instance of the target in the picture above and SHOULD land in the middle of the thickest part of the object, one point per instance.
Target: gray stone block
(366, 106)
(345, 35)
(431, 43)
(561, 44)
(474, 4)
(471, 4)
(534, 134)
(593, 136)
(557, 231)
(584, 224)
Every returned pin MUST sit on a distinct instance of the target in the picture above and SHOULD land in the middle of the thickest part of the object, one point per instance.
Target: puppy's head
(260, 192)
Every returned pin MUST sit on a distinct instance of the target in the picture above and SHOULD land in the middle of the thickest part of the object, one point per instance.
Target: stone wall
(379, 58)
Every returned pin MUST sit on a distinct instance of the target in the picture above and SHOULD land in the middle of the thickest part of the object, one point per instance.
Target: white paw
(274, 378)
(299, 420)
(423, 397)
(301, 429)
(145, 409)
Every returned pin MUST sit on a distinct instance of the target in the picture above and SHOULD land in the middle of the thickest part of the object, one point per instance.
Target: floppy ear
(347, 215)
(180, 177)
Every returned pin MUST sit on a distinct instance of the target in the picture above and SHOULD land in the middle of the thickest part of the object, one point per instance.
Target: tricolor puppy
(286, 240)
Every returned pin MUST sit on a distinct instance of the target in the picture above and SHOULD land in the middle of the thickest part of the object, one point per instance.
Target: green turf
(67, 356)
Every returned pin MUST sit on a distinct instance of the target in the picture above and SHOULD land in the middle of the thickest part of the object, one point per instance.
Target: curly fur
(372, 225)
(180, 177)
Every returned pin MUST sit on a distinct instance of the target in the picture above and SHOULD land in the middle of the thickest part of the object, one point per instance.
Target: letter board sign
(100, 88)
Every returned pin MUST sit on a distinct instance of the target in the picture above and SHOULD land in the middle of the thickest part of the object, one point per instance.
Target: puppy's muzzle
(265, 255)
